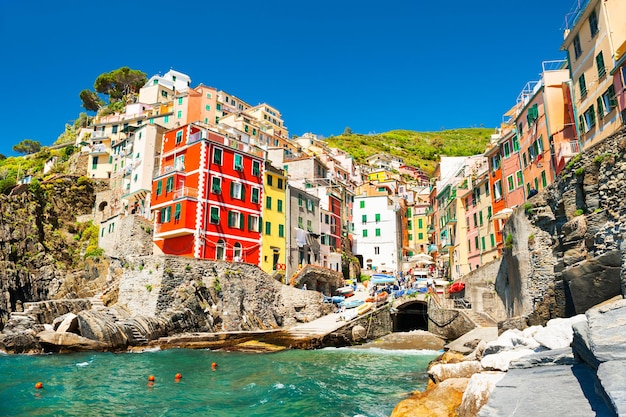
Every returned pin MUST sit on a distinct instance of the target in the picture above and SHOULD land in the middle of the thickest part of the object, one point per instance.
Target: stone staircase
(586, 379)
(480, 319)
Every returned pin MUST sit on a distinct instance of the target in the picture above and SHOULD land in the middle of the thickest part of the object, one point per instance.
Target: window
(410, 236)
(256, 168)
(281, 230)
(475, 220)
(364, 218)
(215, 215)
(600, 65)
(377, 232)
(220, 249)
(609, 100)
(577, 49)
(217, 156)
(207, 107)
(300, 222)
(169, 185)
(280, 183)
(409, 224)
(270, 180)
(582, 85)
(593, 23)
(216, 185)
(362, 204)
(180, 100)
(300, 200)
(480, 217)
(487, 189)
(208, 95)
(493, 240)
(409, 212)
(253, 223)
(510, 182)
(520, 178)
(163, 92)
(420, 236)
(237, 252)
(476, 242)
(497, 190)
(515, 144)
(255, 195)
(506, 149)
(179, 114)
(590, 118)
(364, 232)
(238, 165)
(544, 180)
(166, 214)
(279, 206)
(94, 163)
(309, 225)
(420, 223)
(488, 212)
(482, 241)
(268, 228)
(237, 190)
(376, 250)
(177, 212)
(532, 114)
(377, 217)
(159, 188)
(309, 205)
(166, 119)
(268, 202)
(235, 220)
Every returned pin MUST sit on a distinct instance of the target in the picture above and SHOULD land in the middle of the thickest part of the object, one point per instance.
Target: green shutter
(177, 212)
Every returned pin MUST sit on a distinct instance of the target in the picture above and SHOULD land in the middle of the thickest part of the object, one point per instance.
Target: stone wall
(446, 323)
(480, 290)
(568, 243)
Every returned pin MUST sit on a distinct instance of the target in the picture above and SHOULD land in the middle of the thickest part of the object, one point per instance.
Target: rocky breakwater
(574, 366)
(165, 301)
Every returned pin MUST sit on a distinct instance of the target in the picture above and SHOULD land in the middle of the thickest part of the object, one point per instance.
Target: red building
(207, 196)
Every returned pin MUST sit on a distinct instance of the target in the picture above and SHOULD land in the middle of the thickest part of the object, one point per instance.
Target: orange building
(207, 196)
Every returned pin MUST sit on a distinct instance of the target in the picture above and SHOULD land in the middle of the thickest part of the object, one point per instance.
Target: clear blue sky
(371, 65)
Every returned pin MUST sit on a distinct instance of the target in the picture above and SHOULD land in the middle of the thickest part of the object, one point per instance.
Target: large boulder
(56, 341)
(439, 400)
(477, 392)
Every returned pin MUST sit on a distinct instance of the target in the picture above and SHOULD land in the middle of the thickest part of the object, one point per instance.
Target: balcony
(450, 220)
(432, 248)
(567, 150)
(169, 168)
(186, 192)
(98, 150)
(169, 230)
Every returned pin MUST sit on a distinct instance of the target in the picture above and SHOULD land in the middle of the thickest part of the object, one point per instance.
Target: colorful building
(274, 239)
(593, 34)
(207, 196)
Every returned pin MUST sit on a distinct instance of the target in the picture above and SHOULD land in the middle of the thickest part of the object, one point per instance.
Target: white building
(377, 233)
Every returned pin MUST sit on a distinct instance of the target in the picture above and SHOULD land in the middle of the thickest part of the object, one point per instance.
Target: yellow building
(274, 231)
(592, 38)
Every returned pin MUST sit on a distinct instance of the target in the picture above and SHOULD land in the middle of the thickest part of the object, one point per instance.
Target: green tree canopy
(91, 101)
(120, 82)
(27, 146)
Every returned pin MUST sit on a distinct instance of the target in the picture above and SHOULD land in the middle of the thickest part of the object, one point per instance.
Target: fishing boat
(348, 304)
(346, 291)
(364, 308)
(335, 299)
(378, 298)
(382, 279)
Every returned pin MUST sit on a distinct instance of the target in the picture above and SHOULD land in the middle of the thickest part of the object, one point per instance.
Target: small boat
(348, 304)
(364, 308)
(345, 290)
(378, 298)
(382, 279)
(335, 299)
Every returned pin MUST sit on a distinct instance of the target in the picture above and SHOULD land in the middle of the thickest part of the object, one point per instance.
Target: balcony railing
(186, 192)
(166, 169)
(98, 150)
(568, 149)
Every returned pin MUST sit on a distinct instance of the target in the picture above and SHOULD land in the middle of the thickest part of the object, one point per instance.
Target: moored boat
(345, 291)
(364, 308)
(351, 303)
(382, 279)
(378, 298)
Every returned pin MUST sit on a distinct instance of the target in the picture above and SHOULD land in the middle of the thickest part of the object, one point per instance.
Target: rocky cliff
(566, 250)
(59, 292)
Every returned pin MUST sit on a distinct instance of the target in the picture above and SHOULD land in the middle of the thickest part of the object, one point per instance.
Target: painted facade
(207, 196)
(274, 239)
(590, 45)
(303, 235)
(377, 232)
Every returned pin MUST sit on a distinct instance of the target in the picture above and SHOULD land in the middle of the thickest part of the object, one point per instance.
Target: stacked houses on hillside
(221, 178)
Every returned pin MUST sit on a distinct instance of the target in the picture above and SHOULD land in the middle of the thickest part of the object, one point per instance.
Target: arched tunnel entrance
(411, 316)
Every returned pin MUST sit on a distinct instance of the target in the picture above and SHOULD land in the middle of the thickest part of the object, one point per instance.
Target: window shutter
(241, 216)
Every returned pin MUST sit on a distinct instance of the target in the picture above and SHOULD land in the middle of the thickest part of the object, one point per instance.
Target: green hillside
(419, 149)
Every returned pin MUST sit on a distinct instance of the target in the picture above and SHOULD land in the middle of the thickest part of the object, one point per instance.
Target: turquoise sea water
(325, 382)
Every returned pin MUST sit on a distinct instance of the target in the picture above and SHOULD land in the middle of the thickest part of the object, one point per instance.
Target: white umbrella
(420, 257)
(505, 213)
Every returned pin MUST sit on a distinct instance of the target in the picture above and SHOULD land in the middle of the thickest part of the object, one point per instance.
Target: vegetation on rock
(419, 149)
